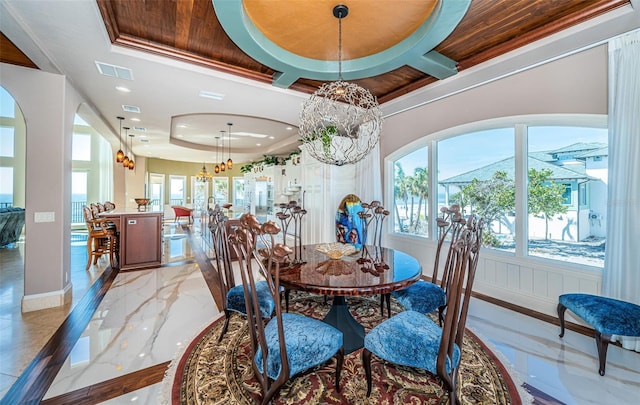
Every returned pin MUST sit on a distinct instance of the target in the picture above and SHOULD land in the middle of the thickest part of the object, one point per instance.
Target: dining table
(369, 271)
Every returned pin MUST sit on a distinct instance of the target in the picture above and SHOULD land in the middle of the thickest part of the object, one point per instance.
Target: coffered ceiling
(176, 50)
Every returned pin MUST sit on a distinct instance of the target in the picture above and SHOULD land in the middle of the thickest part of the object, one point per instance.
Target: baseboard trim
(51, 299)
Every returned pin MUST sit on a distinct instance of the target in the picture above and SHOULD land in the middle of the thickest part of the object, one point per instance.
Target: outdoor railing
(77, 217)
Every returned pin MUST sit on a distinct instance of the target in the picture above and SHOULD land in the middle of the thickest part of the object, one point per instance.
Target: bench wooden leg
(602, 342)
(561, 309)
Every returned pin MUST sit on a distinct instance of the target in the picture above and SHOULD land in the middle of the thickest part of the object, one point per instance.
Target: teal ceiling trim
(415, 51)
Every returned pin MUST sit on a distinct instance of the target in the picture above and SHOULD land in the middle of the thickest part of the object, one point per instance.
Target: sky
(461, 154)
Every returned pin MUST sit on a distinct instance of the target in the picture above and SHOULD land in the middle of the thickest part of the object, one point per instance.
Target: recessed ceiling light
(183, 126)
(135, 119)
(289, 128)
(211, 95)
(123, 89)
(272, 137)
(258, 144)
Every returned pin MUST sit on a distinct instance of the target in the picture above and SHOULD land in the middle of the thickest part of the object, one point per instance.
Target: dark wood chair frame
(462, 261)
(243, 240)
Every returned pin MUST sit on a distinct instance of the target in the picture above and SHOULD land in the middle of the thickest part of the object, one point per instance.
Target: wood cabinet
(140, 238)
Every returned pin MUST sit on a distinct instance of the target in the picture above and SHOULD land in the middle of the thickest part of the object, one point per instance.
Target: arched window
(550, 170)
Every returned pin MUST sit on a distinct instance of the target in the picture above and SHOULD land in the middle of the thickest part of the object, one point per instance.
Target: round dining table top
(372, 270)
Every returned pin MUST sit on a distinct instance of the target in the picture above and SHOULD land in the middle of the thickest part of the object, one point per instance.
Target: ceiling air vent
(114, 71)
(131, 108)
(144, 139)
(140, 129)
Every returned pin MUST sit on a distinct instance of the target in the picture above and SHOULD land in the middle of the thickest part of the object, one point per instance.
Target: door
(156, 191)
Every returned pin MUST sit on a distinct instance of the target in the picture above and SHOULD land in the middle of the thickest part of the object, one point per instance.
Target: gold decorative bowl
(336, 250)
(142, 201)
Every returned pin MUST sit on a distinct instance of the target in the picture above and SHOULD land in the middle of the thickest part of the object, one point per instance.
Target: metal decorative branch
(292, 211)
(373, 213)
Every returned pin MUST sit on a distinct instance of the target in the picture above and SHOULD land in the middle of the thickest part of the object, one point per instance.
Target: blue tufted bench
(608, 317)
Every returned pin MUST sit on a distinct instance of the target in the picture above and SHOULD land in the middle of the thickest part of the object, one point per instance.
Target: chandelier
(340, 123)
(204, 176)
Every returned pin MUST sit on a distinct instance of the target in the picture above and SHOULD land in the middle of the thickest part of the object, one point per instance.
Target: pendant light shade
(120, 153)
(131, 163)
(229, 161)
(217, 168)
(125, 160)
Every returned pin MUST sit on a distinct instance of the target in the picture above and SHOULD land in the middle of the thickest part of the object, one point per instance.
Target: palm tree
(421, 188)
(400, 191)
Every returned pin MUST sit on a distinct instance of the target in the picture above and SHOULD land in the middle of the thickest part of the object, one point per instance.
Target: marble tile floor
(147, 315)
(564, 368)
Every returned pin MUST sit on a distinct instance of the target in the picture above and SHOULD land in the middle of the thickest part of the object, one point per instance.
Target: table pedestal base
(340, 318)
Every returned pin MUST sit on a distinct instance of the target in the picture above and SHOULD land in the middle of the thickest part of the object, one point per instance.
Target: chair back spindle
(264, 260)
(221, 253)
(462, 261)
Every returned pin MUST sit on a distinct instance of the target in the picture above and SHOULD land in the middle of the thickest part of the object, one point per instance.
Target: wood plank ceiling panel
(189, 30)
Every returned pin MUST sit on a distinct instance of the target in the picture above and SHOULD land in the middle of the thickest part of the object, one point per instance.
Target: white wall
(49, 106)
(576, 84)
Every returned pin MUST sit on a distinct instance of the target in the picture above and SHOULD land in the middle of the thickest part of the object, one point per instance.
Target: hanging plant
(246, 168)
(270, 160)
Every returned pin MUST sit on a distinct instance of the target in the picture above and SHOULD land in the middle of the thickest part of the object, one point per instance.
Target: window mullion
(521, 182)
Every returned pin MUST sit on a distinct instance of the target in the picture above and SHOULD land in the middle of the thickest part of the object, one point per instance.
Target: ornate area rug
(208, 373)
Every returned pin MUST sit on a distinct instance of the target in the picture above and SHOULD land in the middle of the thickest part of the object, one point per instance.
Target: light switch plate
(44, 217)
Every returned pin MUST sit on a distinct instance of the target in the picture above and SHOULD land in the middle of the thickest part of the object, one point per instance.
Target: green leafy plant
(325, 134)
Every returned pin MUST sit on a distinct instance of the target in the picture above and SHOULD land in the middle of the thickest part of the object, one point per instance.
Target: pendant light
(125, 161)
(131, 162)
(223, 165)
(229, 161)
(217, 168)
(340, 123)
(120, 153)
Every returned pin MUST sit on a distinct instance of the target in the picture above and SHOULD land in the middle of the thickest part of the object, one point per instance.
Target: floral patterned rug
(212, 373)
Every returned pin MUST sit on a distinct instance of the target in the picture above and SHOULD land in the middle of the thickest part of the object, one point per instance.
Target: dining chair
(424, 296)
(413, 339)
(102, 238)
(287, 344)
(234, 299)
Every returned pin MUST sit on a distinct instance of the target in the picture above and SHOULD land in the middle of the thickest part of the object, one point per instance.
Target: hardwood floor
(34, 382)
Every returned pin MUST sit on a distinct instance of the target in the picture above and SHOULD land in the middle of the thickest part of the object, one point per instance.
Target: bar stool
(101, 238)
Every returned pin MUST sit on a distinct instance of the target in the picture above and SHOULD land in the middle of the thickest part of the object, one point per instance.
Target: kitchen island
(140, 237)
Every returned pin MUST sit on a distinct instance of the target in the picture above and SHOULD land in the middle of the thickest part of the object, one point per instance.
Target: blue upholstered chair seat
(410, 339)
(423, 297)
(304, 350)
(607, 315)
(235, 299)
